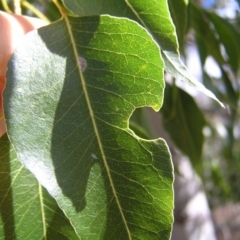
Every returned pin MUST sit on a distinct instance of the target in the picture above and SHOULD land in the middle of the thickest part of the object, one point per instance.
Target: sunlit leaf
(155, 17)
(72, 87)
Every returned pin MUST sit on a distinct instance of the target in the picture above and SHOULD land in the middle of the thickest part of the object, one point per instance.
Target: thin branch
(60, 8)
(6, 7)
(17, 7)
(35, 11)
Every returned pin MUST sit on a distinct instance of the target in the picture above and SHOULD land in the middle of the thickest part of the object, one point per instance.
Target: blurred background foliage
(208, 134)
(212, 30)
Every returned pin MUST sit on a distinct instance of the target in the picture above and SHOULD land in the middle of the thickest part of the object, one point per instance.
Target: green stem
(61, 10)
(35, 11)
(6, 7)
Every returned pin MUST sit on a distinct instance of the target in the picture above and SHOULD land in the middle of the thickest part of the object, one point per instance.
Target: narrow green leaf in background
(231, 95)
(203, 29)
(184, 122)
(203, 52)
(72, 87)
(27, 210)
(229, 37)
(227, 93)
(179, 14)
(155, 17)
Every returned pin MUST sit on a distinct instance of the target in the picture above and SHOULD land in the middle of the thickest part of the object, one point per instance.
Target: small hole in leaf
(146, 123)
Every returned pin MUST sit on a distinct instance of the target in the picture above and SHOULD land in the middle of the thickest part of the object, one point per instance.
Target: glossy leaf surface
(72, 87)
(155, 17)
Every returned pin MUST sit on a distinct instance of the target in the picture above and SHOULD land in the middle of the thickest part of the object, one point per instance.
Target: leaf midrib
(84, 87)
(42, 211)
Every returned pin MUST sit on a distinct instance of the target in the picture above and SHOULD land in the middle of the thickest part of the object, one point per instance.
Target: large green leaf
(184, 122)
(27, 210)
(72, 87)
(154, 16)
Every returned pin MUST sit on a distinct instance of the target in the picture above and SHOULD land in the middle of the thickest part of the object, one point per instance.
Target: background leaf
(229, 37)
(184, 122)
(179, 14)
(155, 17)
(231, 95)
(69, 125)
(205, 32)
(27, 210)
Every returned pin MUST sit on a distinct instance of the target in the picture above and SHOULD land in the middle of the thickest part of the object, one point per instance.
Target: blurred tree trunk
(192, 214)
